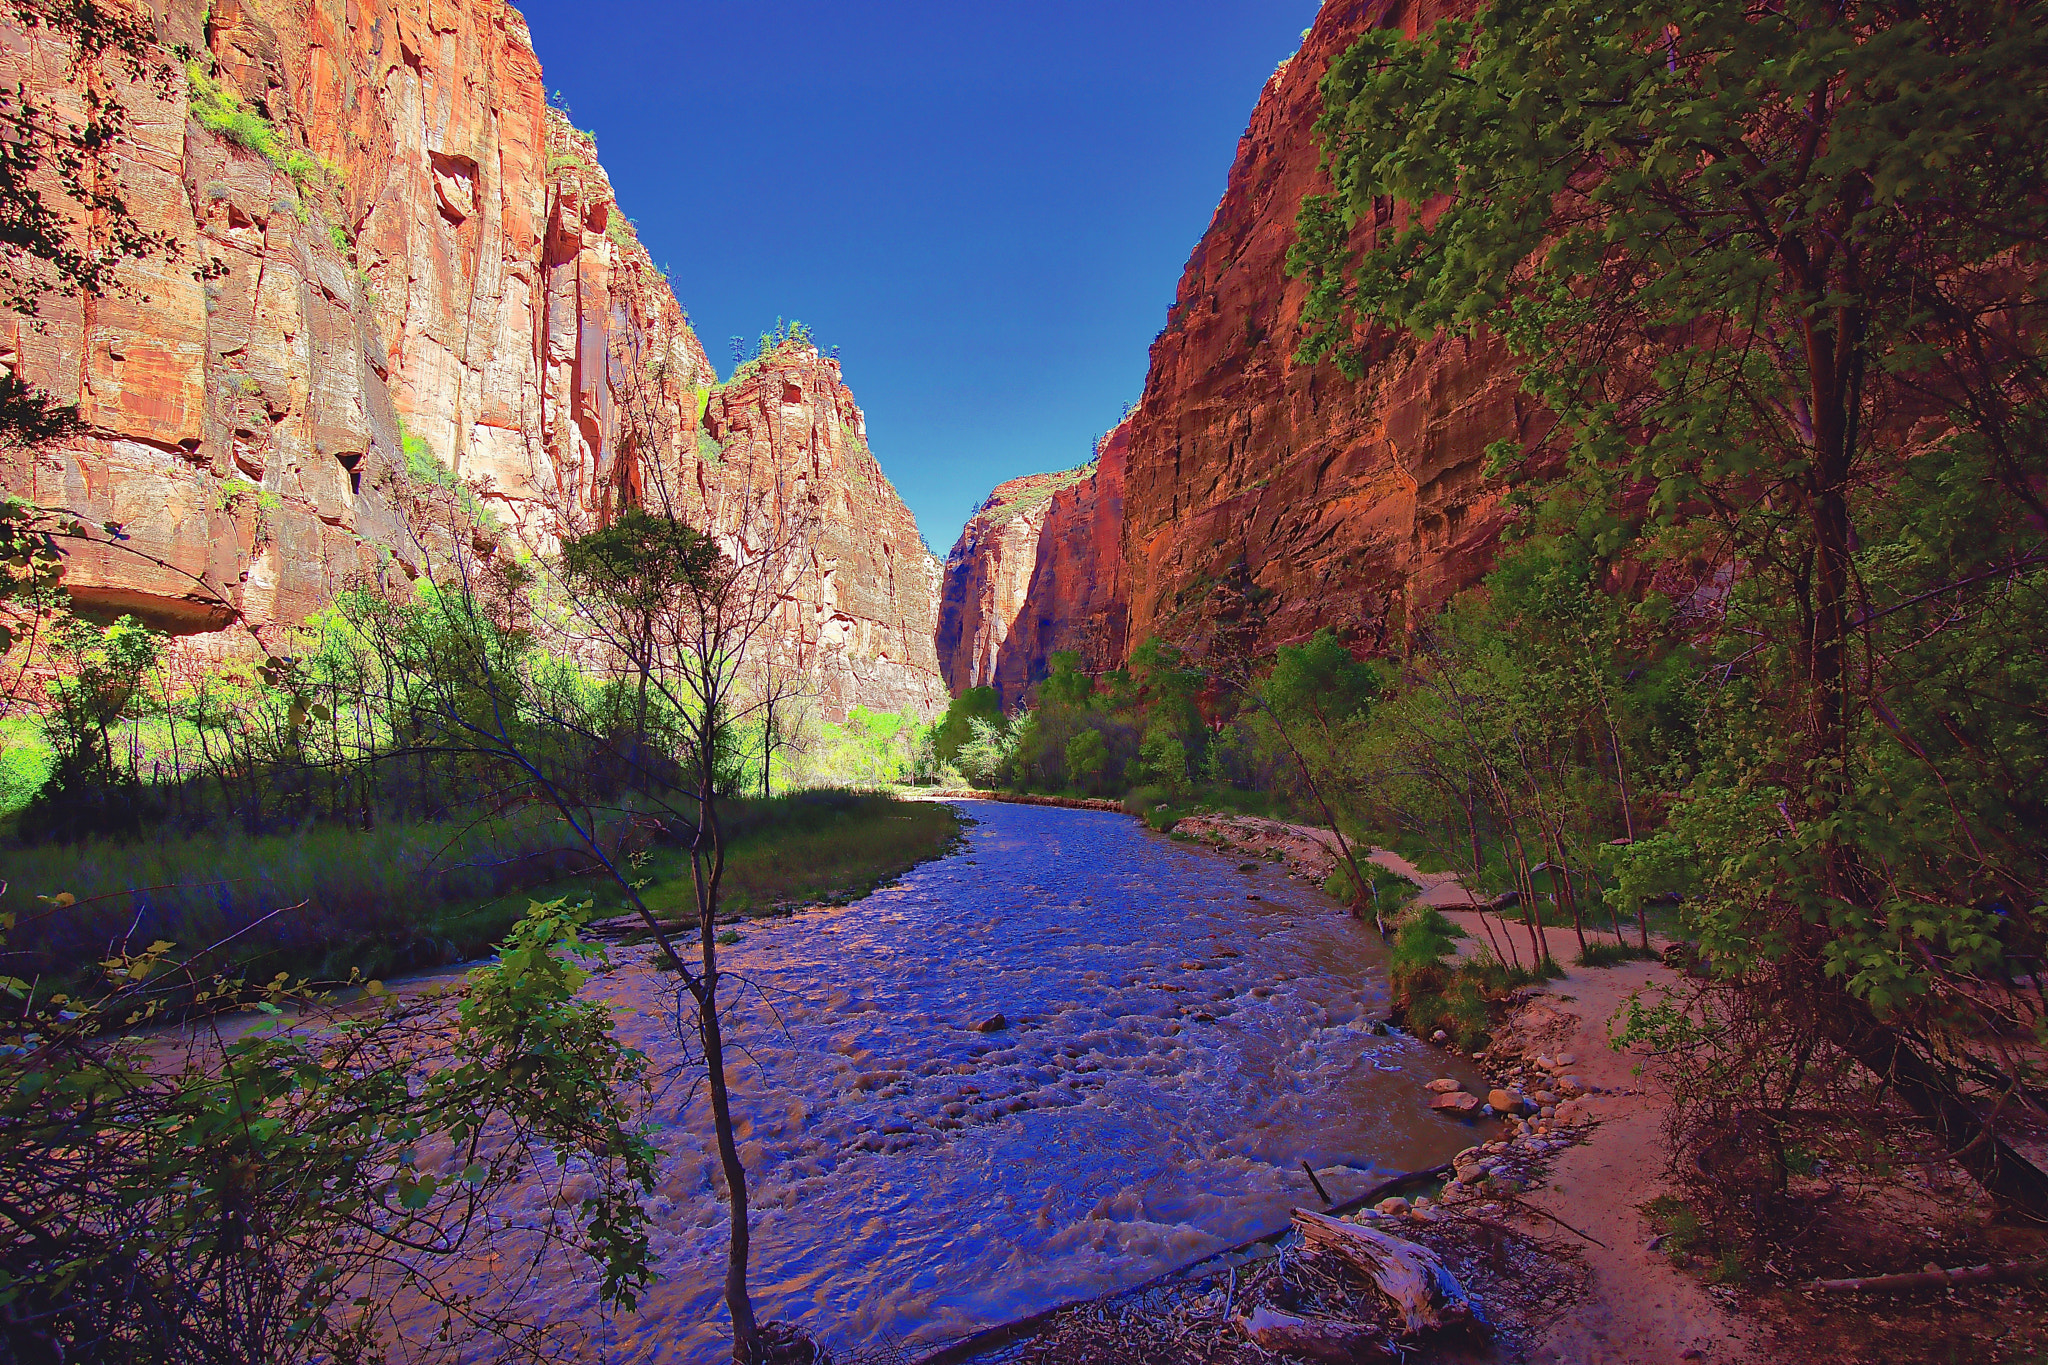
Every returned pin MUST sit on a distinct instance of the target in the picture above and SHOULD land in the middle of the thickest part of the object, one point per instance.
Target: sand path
(1640, 1309)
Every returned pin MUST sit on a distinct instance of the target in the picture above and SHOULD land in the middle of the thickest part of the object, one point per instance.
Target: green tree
(1065, 685)
(956, 728)
(1087, 754)
(1315, 697)
(1773, 271)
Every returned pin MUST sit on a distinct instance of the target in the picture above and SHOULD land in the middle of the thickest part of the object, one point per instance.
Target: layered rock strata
(428, 280)
(988, 575)
(1252, 478)
(1037, 570)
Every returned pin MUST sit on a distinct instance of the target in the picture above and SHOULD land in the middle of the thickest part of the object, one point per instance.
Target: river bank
(1594, 1192)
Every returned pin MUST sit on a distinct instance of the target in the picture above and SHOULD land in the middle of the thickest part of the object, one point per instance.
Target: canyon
(1244, 472)
(433, 312)
(416, 322)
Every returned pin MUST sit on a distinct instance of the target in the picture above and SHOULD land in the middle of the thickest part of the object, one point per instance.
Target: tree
(276, 1193)
(955, 729)
(1773, 270)
(1314, 692)
(1087, 754)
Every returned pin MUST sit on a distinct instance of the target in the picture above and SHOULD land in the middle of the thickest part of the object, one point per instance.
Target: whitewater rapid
(1177, 1037)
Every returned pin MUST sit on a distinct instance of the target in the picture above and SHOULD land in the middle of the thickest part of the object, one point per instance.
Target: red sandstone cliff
(864, 625)
(1355, 505)
(464, 278)
(988, 574)
(1037, 570)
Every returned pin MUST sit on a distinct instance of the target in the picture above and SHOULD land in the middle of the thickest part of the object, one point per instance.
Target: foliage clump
(222, 111)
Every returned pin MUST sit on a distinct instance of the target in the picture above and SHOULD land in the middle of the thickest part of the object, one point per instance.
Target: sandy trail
(1640, 1309)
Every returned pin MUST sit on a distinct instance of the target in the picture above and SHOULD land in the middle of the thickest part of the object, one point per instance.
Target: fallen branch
(1932, 1279)
(1544, 1213)
(1334, 1340)
(1425, 1291)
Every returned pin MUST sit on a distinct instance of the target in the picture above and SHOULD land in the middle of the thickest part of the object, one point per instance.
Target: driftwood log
(1933, 1279)
(1335, 1340)
(1427, 1294)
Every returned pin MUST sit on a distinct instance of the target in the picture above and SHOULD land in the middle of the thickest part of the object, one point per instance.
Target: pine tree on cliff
(1775, 271)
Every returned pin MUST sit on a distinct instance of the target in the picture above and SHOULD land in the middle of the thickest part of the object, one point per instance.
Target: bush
(1431, 993)
(1388, 891)
(221, 111)
(1600, 953)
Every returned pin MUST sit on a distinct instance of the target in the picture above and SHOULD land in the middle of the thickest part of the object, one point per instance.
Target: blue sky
(986, 207)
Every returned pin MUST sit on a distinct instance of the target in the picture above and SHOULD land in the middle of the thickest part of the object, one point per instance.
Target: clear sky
(986, 206)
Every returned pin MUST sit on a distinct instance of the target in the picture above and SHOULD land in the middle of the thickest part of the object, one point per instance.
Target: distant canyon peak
(1354, 505)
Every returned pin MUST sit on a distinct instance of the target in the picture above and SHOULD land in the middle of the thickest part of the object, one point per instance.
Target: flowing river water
(1179, 1037)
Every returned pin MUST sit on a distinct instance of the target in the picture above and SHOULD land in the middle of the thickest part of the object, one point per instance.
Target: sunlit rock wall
(464, 277)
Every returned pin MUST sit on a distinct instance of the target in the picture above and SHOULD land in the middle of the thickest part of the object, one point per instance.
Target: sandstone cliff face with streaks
(463, 282)
(988, 576)
(1037, 570)
(863, 620)
(1354, 505)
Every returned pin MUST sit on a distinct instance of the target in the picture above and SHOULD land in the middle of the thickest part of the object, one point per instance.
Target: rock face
(987, 576)
(458, 289)
(1037, 570)
(867, 613)
(1355, 505)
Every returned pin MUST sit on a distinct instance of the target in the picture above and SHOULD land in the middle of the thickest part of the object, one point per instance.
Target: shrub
(1600, 953)
(220, 111)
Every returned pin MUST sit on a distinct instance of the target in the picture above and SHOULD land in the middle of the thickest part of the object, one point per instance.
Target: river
(1179, 1037)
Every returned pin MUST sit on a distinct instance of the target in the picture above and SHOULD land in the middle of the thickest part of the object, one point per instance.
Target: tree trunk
(2005, 1175)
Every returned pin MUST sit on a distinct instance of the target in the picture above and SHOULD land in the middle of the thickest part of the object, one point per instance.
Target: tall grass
(286, 899)
(413, 895)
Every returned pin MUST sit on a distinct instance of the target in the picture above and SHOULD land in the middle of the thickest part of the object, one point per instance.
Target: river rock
(1393, 1206)
(1504, 1102)
(1444, 1085)
(1572, 1085)
(1457, 1102)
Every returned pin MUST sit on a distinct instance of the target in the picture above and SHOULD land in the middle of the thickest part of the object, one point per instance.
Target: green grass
(411, 896)
(802, 848)
(25, 762)
(1433, 991)
(1601, 953)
